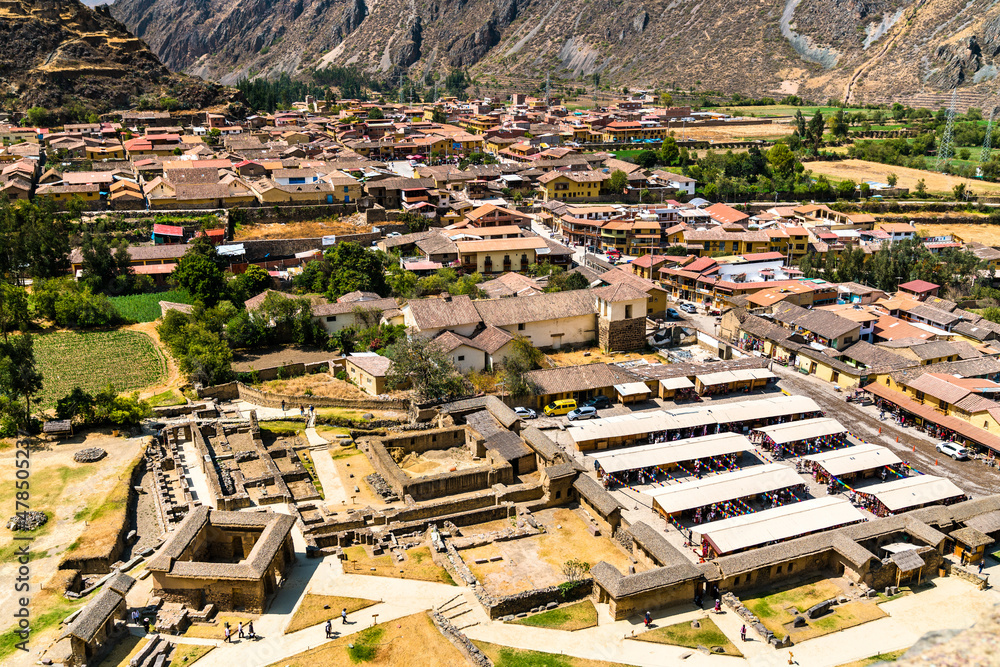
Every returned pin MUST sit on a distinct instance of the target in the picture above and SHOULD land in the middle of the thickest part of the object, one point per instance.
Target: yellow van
(560, 407)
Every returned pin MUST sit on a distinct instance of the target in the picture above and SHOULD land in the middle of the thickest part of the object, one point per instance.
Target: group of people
(241, 632)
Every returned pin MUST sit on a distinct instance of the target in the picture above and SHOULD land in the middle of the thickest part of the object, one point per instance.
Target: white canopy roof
(665, 453)
(632, 389)
(802, 430)
(854, 459)
(781, 523)
(676, 383)
(909, 492)
(727, 486)
(641, 423)
(739, 375)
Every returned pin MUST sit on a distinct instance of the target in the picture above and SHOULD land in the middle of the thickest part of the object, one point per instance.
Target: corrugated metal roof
(902, 494)
(666, 453)
(727, 486)
(854, 459)
(802, 430)
(778, 524)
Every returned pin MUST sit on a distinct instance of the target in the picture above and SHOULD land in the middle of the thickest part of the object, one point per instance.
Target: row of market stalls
(908, 493)
(806, 436)
(690, 422)
(728, 494)
(750, 531)
(651, 464)
(853, 463)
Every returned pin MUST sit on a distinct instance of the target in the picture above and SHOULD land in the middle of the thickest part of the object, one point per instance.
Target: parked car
(954, 450)
(585, 412)
(600, 402)
(689, 308)
(560, 407)
(525, 413)
(673, 314)
(393, 235)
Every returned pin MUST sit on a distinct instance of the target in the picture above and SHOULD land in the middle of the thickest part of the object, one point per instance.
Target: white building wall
(573, 330)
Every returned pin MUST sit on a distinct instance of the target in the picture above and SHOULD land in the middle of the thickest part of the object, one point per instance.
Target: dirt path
(914, 447)
(174, 378)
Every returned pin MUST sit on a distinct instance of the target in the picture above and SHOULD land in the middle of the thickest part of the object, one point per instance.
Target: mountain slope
(63, 53)
(871, 50)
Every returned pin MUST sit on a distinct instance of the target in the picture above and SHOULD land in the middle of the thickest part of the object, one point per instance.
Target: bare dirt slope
(872, 50)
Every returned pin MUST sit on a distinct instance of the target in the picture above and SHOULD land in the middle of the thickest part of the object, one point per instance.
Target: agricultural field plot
(146, 307)
(127, 360)
(861, 170)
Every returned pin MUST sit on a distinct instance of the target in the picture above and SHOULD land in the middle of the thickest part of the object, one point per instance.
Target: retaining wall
(233, 390)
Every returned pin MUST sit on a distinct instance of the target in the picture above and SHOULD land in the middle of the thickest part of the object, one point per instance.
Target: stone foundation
(621, 334)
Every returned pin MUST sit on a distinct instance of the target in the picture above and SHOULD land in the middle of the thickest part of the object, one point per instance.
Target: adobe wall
(440, 438)
(657, 598)
(773, 574)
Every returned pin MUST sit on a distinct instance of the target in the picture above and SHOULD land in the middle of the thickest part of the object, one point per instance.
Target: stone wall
(519, 493)
(233, 390)
(463, 643)
(440, 438)
(656, 598)
(621, 334)
(526, 601)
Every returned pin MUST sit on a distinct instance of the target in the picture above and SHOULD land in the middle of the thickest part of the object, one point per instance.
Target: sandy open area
(733, 132)
(860, 170)
(354, 224)
(986, 234)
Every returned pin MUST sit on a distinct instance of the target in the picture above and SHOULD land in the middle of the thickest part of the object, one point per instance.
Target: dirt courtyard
(354, 224)
(535, 562)
(986, 234)
(860, 170)
(65, 490)
(435, 461)
(722, 133)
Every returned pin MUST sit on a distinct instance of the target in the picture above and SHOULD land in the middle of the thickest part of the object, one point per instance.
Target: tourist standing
(250, 632)
(343, 616)
(648, 619)
(743, 632)
(227, 633)
(329, 629)
(239, 630)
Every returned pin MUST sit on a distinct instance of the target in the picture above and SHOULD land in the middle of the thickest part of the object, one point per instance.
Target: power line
(984, 157)
(946, 147)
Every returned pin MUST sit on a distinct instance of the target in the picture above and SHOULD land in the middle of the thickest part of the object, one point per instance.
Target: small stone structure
(29, 520)
(96, 627)
(89, 455)
(234, 560)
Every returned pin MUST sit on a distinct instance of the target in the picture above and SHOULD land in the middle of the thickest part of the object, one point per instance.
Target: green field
(127, 360)
(146, 307)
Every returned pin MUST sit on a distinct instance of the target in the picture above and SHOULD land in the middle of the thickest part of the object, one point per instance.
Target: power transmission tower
(946, 146)
(984, 157)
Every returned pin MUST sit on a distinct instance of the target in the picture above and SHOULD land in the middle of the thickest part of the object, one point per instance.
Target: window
(332, 318)
(779, 570)
(520, 326)
(736, 581)
(628, 312)
(558, 495)
(790, 567)
(461, 357)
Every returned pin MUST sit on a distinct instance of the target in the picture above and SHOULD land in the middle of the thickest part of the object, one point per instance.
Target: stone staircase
(458, 611)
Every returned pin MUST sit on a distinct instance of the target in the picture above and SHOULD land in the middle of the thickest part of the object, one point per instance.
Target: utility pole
(984, 157)
(946, 147)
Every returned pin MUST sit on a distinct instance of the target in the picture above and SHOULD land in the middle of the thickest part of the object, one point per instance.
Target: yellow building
(571, 184)
(494, 256)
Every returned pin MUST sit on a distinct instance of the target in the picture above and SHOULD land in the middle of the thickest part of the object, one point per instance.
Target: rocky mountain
(60, 53)
(865, 50)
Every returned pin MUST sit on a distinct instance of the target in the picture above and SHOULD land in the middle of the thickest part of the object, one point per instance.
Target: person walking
(227, 633)
(743, 632)
(718, 606)
(282, 405)
(343, 616)
(981, 562)
(329, 628)
(250, 633)
(648, 619)
(239, 630)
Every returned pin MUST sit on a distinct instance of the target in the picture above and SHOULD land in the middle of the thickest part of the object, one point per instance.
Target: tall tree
(20, 379)
(199, 271)
(429, 370)
(13, 309)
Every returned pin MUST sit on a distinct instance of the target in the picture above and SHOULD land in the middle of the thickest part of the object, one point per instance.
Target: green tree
(921, 189)
(865, 190)
(439, 116)
(37, 116)
(107, 265)
(891, 180)
(838, 125)
(13, 309)
(346, 267)
(200, 273)
(669, 152)
(782, 160)
(617, 183)
(960, 192)
(846, 189)
(523, 358)
(250, 283)
(375, 113)
(815, 130)
(20, 379)
(429, 370)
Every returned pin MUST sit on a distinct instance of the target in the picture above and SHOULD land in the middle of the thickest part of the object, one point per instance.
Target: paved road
(912, 446)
